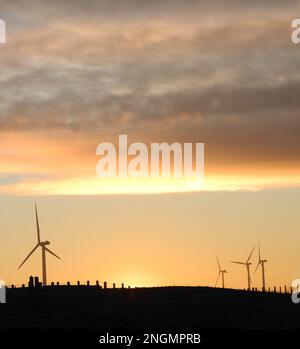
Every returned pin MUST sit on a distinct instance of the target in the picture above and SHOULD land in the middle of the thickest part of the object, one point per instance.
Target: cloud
(156, 70)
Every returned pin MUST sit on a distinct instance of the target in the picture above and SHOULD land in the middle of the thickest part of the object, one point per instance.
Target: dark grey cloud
(127, 7)
(224, 72)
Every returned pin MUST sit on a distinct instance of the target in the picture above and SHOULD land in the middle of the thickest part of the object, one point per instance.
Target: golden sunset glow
(75, 76)
(67, 166)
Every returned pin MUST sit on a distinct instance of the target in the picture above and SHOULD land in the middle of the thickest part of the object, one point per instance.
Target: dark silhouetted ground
(146, 308)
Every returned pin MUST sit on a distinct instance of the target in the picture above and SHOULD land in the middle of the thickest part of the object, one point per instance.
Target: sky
(75, 74)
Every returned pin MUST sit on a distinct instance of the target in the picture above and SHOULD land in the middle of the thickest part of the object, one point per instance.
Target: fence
(34, 282)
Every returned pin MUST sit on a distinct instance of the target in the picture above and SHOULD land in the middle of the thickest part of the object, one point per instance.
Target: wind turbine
(247, 264)
(262, 263)
(221, 272)
(43, 245)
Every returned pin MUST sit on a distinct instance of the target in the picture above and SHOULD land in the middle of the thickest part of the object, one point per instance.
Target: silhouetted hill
(146, 308)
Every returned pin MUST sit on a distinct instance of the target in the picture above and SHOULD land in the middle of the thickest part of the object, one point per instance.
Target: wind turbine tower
(45, 249)
(221, 272)
(247, 264)
(263, 271)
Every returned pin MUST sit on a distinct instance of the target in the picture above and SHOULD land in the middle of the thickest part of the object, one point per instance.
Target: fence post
(30, 282)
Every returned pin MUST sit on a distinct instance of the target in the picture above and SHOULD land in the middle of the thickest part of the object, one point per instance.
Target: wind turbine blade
(37, 225)
(29, 255)
(218, 263)
(257, 267)
(238, 262)
(218, 279)
(250, 255)
(259, 251)
(47, 249)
